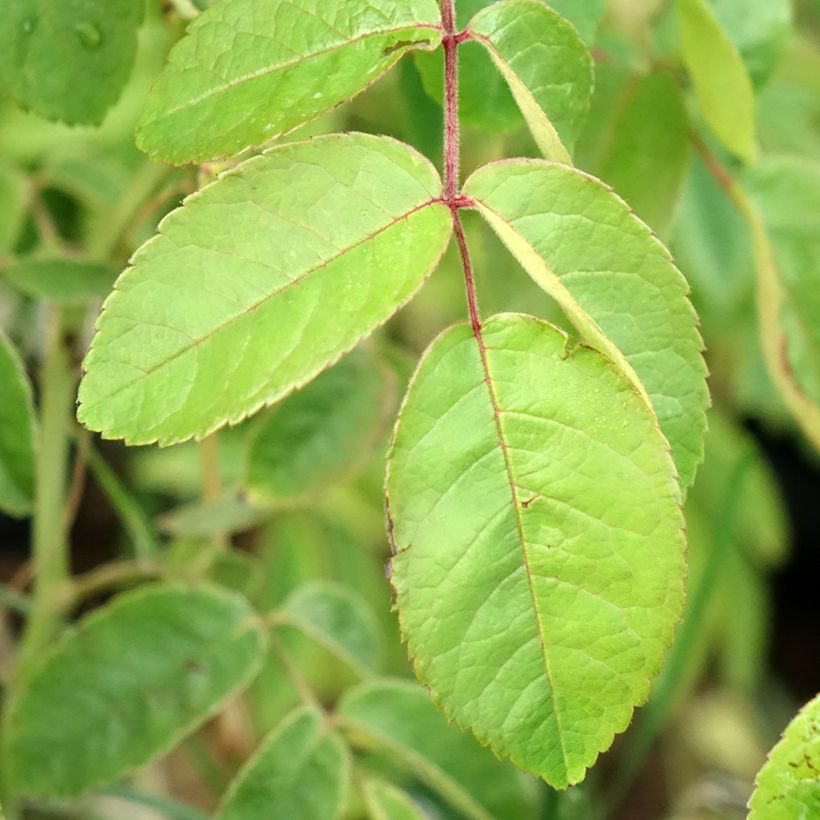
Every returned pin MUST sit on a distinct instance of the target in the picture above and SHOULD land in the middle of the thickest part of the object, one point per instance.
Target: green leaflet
(60, 280)
(539, 546)
(322, 433)
(339, 620)
(16, 434)
(257, 284)
(386, 802)
(721, 82)
(614, 280)
(788, 785)
(648, 156)
(68, 59)
(300, 772)
(130, 682)
(397, 715)
(546, 65)
(786, 196)
(251, 70)
(759, 30)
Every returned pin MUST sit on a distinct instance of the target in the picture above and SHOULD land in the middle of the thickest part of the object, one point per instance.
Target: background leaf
(537, 528)
(319, 435)
(68, 59)
(788, 786)
(300, 772)
(16, 434)
(547, 67)
(135, 677)
(256, 285)
(250, 70)
(60, 280)
(720, 79)
(616, 282)
(386, 802)
(398, 715)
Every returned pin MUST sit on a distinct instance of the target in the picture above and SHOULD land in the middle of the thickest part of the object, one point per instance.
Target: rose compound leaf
(546, 65)
(68, 60)
(539, 547)
(259, 282)
(16, 434)
(585, 15)
(613, 279)
(398, 717)
(722, 84)
(251, 70)
(788, 785)
(322, 433)
(130, 682)
(300, 772)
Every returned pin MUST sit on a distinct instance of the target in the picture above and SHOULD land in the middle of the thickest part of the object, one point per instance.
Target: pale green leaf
(785, 199)
(387, 802)
(251, 70)
(16, 434)
(788, 786)
(128, 684)
(720, 79)
(539, 547)
(12, 207)
(648, 156)
(339, 620)
(259, 282)
(68, 59)
(229, 513)
(546, 65)
(320, 434)
(759, 30)
(397, 715)
(613, 279)
(60, 280)
(300, 772)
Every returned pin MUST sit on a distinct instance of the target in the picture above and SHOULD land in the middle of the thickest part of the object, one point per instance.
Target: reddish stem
(452, 196)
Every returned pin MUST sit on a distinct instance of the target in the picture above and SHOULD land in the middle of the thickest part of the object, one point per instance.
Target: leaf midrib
(259, 303)
(273, 68)
(488, 380)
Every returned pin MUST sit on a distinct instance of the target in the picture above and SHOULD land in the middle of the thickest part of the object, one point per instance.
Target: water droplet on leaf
(28, 25)
(89, 34)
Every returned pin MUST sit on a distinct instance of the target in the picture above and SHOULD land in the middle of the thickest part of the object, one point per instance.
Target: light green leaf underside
(320, 434)
(16, 434)
(785, 198)
(131, 681)
(720, 79)
(251, 70)
(300, 772)
(788, 785)
(259, 282)
(60, 280)
(339, 620)
(68, 59)
(615, 281)
(397, 715)
(647, 159)
(387, 802)
(539, 542)
(545, 64)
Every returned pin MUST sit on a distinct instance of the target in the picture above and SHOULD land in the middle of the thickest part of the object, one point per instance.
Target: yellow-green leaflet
(538, 538)
(255, 285)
